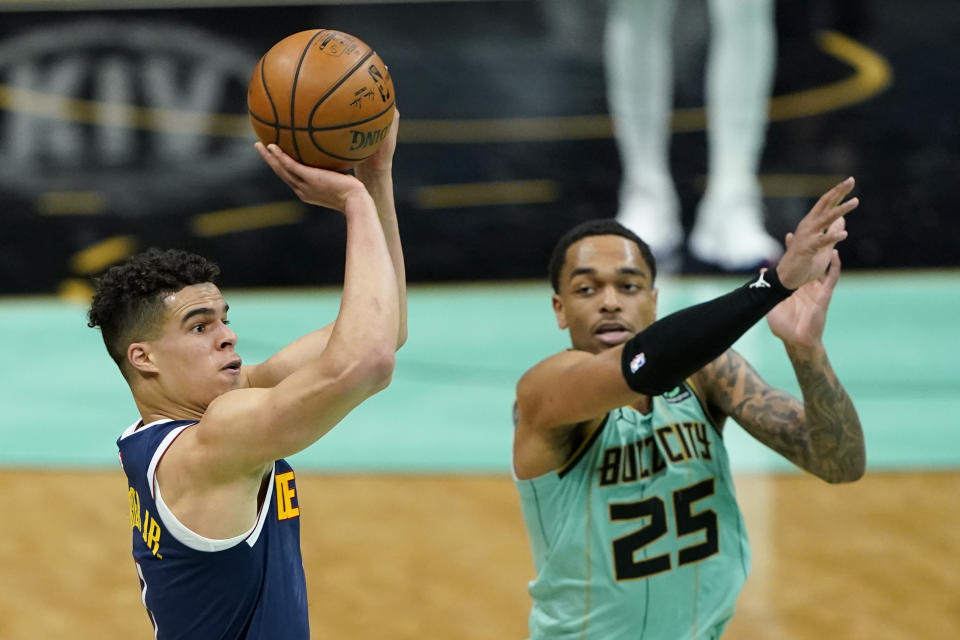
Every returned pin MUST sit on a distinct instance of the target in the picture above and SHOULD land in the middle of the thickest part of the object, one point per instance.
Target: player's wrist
(373, 177)
(780, 279)
(380, 169)
(358, 201)
(805, 350)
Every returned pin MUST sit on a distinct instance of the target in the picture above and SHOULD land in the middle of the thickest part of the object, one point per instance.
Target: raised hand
(312, 185)
(810, 248)
(799, 320)
(382, 159)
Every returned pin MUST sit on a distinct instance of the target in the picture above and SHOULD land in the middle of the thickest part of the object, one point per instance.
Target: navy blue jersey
(247, 587)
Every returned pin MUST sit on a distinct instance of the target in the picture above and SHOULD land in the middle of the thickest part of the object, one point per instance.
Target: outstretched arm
(247, 427)
(376, 175)
(212, 473)
(573, 387)
(822, 434)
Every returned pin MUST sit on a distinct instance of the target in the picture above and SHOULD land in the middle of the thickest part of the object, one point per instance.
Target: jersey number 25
(625, 549)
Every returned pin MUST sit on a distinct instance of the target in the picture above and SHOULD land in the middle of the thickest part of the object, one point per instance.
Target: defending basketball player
(618, 450)
(213, 504)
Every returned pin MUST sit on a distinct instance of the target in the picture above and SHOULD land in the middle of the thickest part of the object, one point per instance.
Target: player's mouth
(612, 333)
(233, 366)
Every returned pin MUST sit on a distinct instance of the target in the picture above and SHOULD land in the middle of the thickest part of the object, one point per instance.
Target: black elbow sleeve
(658, 358)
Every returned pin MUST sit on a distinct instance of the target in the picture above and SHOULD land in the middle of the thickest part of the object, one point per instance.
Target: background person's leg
(728, 229)
(639, 68)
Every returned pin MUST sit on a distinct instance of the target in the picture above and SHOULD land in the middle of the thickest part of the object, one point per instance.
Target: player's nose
(609, 300)
(229, 337)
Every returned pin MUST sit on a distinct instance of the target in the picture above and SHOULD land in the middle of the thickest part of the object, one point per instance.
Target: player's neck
(153, 407)
(643, 404)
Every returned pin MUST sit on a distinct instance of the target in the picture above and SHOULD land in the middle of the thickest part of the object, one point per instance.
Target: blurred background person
(729, 228)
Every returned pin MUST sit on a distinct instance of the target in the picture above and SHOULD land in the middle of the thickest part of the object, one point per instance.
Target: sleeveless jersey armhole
(702, 401)
(183, 534)
(580, 451)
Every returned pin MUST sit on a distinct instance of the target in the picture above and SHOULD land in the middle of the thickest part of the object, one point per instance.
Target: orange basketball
(322, 96)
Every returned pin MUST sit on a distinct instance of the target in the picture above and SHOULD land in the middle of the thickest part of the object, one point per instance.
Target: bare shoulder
(554, 365)
(537, 451)
(571, 388)
(209, 451)
(540, 382)
(543, 439)
(207, 487)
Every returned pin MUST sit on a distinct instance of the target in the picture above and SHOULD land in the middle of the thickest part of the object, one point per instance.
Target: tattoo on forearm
(821, 435)
(832, 422)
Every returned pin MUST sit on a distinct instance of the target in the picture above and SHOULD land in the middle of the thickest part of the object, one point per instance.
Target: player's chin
(594, 346)
(226, 382)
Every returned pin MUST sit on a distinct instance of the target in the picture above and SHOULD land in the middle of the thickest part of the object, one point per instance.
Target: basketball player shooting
(618, 456)
(213, 504)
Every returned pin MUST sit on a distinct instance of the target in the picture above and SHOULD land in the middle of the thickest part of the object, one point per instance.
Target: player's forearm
(369, 318)
(380, 186)
(652, 362)
(658, 358)
(837, 451)
(295, 355)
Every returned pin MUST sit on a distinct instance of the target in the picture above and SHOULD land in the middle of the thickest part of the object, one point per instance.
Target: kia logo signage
(147, 114)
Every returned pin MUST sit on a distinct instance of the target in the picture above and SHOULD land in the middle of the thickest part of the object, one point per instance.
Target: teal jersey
(639, 535)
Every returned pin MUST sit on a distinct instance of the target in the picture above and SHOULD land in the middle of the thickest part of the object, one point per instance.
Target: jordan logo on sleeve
(760, 283)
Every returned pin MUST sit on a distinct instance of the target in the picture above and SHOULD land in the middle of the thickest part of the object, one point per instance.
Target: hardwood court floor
(446, 557)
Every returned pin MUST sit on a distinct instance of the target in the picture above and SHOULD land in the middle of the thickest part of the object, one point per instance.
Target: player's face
(606, 293)
(194, 355)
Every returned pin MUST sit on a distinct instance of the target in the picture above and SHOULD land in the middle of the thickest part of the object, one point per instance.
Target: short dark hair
(128, 302)
(601, 227)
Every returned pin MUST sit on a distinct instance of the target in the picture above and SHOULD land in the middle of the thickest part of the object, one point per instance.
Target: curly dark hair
(601, 227)
(128, 302)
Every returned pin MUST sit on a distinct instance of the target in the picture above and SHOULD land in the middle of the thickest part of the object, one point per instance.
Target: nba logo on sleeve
(638, 361)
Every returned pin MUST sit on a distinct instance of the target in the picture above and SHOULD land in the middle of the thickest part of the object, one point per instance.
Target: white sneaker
(655, 217)
(730, 234)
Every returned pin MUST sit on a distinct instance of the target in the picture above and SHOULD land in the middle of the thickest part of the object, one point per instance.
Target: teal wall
(893, 339)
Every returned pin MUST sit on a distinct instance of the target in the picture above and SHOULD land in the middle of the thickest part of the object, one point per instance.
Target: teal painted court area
(893, 339)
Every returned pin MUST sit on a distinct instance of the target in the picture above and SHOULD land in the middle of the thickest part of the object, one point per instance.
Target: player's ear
(140, 357)
(558, 310)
